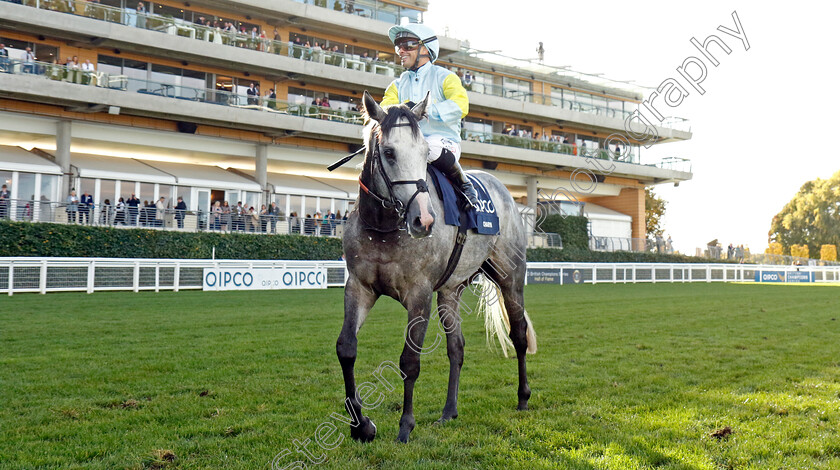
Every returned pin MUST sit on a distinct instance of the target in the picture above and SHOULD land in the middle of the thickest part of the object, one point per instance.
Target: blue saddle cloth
(483, 220)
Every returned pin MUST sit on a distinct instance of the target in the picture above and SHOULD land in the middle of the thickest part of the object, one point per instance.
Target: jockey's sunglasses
(409, 45)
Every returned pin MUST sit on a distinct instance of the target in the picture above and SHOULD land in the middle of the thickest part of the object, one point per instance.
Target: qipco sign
(264, 279)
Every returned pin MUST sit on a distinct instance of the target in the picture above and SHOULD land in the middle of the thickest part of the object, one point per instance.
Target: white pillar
(62, 155)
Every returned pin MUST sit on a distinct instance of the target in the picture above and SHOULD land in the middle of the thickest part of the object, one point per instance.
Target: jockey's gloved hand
(410, 104)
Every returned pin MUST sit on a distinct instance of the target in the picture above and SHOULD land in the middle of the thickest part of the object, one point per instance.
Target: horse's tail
(496, 321)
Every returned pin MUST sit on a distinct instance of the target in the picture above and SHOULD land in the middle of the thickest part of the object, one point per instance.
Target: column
(261, 167)
(532, 202)
(62, 156)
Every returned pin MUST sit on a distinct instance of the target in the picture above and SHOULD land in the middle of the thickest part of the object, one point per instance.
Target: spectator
(216, 220)
(263, 218)
(238, 217)
(271, 99)
(251, 219)
(226, 216)
(253, 94)
(5, 196)
(160, 207)
(317, 223)
(72, 206)
(308, 225)
(29, 61)
(146, 212)
(85, 208)
(180, 211)
(141, 15)
(106, 216)
(540, 52)
(88, 66)
(468, 79)
(133, 204)
(274, 215)
(325, 103)
(4, 58)
(294, 223)
(119, 215)
(316, 102)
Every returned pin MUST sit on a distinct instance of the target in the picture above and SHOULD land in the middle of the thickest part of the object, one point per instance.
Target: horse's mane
(393, 114)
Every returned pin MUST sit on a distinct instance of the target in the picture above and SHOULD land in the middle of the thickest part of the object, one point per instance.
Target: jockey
(418, 48)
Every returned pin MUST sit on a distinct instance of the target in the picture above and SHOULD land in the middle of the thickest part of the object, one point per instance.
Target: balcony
(278, 107)
(373, 9)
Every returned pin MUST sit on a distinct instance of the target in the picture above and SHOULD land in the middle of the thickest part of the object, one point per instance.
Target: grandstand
(154, 102)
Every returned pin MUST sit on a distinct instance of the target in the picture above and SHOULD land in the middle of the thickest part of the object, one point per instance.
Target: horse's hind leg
(419, 310)
(450, 319)
(512, 284)
(358, 301)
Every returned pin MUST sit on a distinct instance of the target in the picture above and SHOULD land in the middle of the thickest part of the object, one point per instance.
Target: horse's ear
(419, 109)
(372, 108)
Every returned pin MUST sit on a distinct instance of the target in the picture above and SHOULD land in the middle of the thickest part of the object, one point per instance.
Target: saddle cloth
(484, 220)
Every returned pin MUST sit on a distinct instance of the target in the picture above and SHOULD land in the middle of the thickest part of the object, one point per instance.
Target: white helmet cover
(425, 34)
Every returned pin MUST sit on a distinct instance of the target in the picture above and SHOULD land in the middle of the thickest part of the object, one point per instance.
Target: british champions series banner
(264, 278)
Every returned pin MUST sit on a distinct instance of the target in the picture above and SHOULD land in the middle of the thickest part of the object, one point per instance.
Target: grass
(627, 377)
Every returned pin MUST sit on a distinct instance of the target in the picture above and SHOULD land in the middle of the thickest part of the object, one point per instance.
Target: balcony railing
(167, 90)
(179, 27)
(374, 9)
(108, 215)
(191, 30)
(543, 145)
(279, 106)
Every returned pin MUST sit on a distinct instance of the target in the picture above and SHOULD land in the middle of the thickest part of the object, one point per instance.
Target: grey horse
(394, 247)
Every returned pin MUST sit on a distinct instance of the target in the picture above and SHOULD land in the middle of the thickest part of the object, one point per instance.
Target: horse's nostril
(417, 222)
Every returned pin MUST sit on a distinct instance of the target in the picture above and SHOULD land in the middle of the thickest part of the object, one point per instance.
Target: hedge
(584, 255)
(54, 240)
(572, 229)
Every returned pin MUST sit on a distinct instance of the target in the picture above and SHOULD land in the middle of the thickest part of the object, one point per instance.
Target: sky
(763, 126)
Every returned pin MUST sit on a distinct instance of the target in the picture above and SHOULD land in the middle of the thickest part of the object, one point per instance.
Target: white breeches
(436, 145)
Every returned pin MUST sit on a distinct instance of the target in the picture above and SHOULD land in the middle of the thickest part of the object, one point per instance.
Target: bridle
(390, 202)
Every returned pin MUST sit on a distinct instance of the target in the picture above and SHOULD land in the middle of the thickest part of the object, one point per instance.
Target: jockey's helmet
(422, 34)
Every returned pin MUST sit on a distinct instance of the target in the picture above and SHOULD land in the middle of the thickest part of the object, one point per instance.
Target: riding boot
(450, 167)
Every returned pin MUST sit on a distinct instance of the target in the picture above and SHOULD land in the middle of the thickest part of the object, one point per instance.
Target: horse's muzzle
(420, 217)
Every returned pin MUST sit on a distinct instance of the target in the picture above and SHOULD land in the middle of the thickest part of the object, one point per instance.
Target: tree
(811, 218)
(654, 211)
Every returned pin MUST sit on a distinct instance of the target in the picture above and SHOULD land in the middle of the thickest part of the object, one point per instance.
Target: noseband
(390, 201)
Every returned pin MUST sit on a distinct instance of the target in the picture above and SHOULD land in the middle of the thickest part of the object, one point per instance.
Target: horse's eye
(389, 153)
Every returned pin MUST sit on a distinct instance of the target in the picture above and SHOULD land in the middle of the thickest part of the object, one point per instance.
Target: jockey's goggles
(409, 45)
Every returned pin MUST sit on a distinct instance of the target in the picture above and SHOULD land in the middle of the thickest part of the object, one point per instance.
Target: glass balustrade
(294, 108)
(617, 109)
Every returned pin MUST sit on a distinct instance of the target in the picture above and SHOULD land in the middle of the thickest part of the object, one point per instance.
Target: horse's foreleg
(450, 320)
(419, 310)
(357, 303)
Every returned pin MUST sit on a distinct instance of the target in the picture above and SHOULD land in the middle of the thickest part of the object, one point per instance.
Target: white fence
(594, 273)
(42, 275)
(90, 275)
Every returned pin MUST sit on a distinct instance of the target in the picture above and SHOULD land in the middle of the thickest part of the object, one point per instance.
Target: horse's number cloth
(483, 219)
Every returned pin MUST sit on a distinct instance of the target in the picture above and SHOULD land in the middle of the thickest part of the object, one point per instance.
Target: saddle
(457, 212)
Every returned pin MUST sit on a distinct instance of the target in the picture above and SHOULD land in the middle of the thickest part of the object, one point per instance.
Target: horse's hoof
(364, 432)
(403, 437)
(444, 419)
(522, 406)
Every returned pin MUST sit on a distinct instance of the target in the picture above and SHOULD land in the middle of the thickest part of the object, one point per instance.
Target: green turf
(627, 377)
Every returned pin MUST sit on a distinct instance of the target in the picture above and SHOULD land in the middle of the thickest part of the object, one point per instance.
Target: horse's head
(398, 152)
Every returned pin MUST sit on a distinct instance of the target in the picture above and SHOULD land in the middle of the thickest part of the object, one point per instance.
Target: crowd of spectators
(324, 225)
